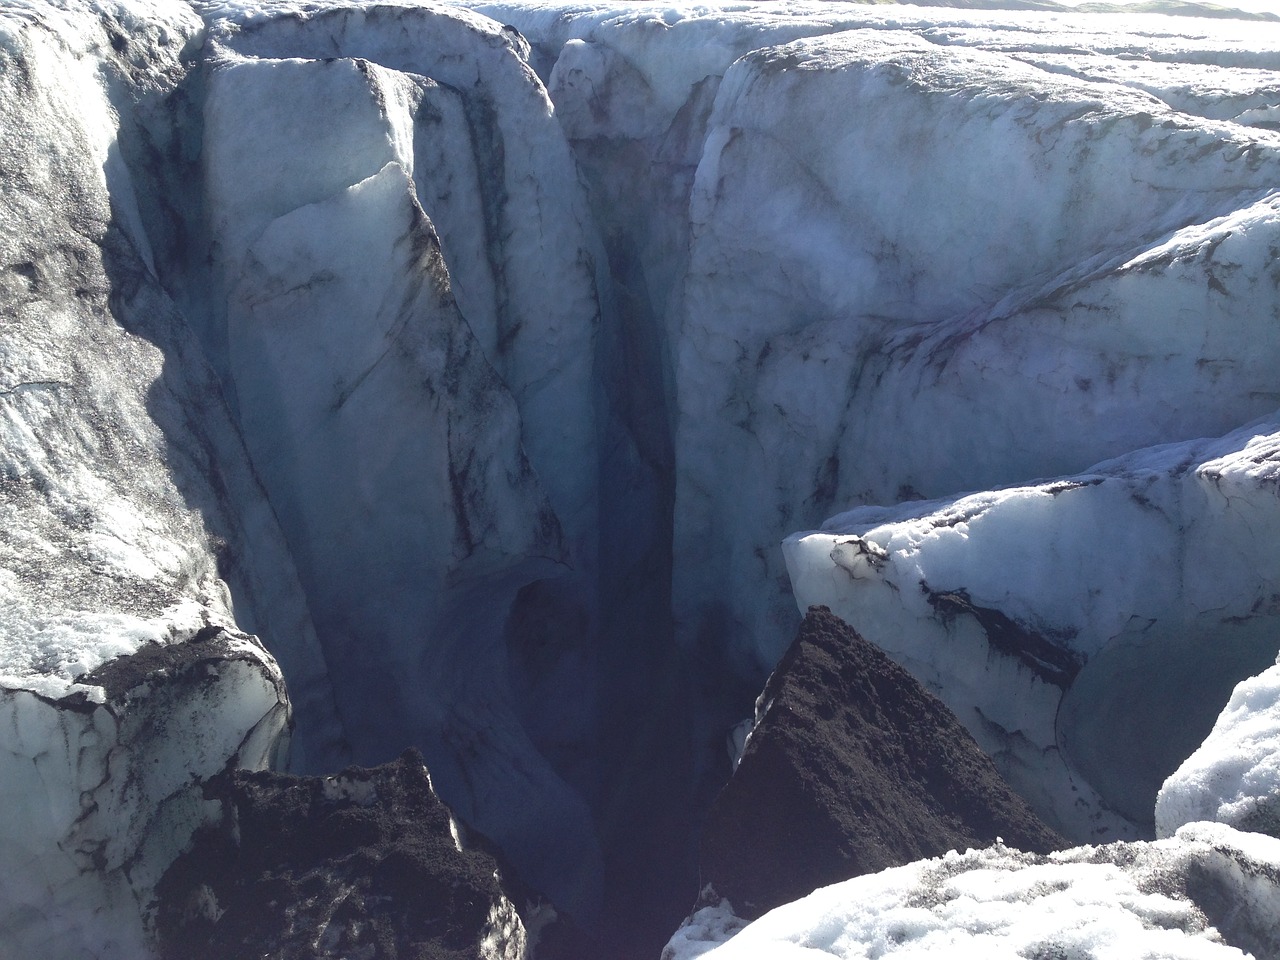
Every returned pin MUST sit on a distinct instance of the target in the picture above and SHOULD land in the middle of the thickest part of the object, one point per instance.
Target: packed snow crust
(1174, 898)
(1234, 775)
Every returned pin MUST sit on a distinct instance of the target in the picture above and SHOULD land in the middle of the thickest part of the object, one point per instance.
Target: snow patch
(1233, 777)
(1124, 900)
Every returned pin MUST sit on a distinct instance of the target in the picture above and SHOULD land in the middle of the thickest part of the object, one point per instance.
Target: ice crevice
(458, 368)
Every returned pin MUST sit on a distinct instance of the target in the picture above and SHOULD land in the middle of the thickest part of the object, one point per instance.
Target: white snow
(704, 930)
(1159, 899)
(862, 254)
(1153, 571)
(1234, 775)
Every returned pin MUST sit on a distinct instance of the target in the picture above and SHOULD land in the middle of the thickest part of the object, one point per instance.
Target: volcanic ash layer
(852, 767)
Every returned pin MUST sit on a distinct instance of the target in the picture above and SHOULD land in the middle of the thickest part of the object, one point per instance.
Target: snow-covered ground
(1131, 597)
(1201, 895)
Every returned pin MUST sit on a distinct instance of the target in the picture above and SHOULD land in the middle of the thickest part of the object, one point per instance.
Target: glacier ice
(531, 250)
(879, 338)
(495, 356)
(102, 790)
(457, 432)
(886, 347)
(125, 681)
(1022, 244)
(1049, 614)
(1232, 777)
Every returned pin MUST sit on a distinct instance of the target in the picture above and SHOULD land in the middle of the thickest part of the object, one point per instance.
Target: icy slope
(399, 495)
(1129, 598)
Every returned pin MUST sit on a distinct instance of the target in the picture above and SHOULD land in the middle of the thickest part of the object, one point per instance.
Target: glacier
(447, 375)
(1073, 628)
(1119, 900)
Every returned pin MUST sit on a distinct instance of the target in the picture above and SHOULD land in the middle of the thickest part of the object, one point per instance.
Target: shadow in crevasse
(639, 783)
(152, 248)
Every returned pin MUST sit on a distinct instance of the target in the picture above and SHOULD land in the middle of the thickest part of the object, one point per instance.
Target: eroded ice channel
(477, 362)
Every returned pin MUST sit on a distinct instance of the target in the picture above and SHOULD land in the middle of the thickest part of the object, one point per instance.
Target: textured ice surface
(118, 468)
(925, 251)
(1234, 775)
(933, 328)
(454, 426)
(1206, 893)
(1132, 597)
(516, 230)
(855, 254)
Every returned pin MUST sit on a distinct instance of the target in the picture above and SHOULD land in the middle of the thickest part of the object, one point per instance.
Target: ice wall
(952, 287)
(892, 253)
(1087, 630)
(407, 301)
(124, 680)
(885, 254)
(363, 229)
(451, 98)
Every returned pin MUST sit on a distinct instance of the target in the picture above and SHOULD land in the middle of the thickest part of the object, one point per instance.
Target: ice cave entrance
(1126, 727)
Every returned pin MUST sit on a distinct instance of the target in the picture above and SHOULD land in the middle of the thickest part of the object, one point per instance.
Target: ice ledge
(101, 788)
(1148, 575)
(1208, 892)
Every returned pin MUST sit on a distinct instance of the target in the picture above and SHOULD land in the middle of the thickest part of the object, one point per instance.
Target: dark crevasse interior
(632, 721)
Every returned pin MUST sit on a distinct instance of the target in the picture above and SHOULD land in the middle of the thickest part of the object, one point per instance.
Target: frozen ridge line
(1151, 633)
